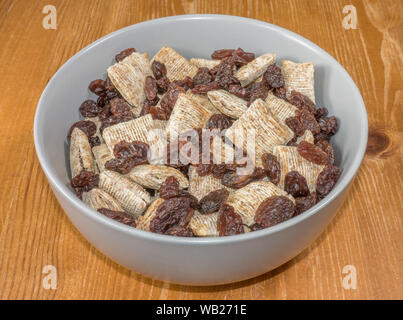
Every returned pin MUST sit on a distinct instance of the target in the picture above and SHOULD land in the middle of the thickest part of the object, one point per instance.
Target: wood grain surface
(366, 233)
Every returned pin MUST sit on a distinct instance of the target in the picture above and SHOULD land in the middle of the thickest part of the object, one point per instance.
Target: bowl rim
(150, 236)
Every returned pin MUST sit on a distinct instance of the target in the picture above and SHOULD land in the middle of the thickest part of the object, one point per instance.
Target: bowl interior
(196, 36)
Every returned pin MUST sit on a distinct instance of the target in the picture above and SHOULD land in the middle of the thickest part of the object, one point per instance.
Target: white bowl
(198, 261)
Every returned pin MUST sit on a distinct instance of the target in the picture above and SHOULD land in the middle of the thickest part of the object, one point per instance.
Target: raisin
(241, 57)
(239, 91)
(94, 141)
(109, 85)
(312, 153)
(186, 83)
(135, 149)
(169, 99)
(219, 170)
(172, 212)
(180, 232)
(295, 125)
(194, 203)
(204, 88)
(281, 93)
(295, 184)
(128, 155)
(150, 88)
(308, 121)
(273, 77)
(321, 136)
(233, 180)
(98, 87)
(102, 102)
(118, 216)
(321, 113)
(116, 118)
(204, 169)
(301, 101)
(274, 210)
(120, 165)
(158, 113)
(163, 84)
(87, 126)
(329, 125)
(109, 95)
(123, 54)
(89, 109)
(272, 167)
(229, 222)
(327, 180)
(258, 90)
(222, 53)
(326, 147)
(219, 121)
(304, 203)
(203, 76)
(85, 180)
(169, 188)
(224, 75)
(118, 106)
(159, 69)
(256, 227)
(213, 201)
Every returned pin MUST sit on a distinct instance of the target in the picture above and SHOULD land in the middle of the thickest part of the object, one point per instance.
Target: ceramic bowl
(198, 261)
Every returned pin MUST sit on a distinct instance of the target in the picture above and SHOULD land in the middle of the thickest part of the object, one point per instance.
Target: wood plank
(366, 233)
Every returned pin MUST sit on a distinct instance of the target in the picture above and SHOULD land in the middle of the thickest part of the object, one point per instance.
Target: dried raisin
(240, 91)
(89, 109)
(301, 101)
(308, 121)
(171, 213)
(159, 69)
(272, 167)
(170, 188)
(204, 88)
(326, 147)
(219, 121)
(273, 77)
(119, 106)
(85, 180)
(274, 210)
(98, 87)
(233, 180)
(258, 90)
(180, 232)
(304, 203)
(123, 54)
(87, 126)
(295, 125)
(312, 153)
(203, 76)
(94, 141)
(150, 88)
(327, 180)
(222, 53)
(118, 216)
(229, 222)
(213, 201)
(295, 184)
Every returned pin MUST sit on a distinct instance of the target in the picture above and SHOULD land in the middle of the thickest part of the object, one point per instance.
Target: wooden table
(366, 233)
